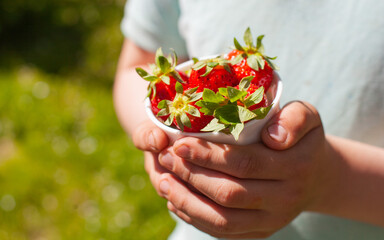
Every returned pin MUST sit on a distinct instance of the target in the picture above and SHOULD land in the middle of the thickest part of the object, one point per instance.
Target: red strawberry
(182, 111)
(197, 123)
(263, 77)
(250, 60)
(213, 74)
(163, 79)
(165, 92)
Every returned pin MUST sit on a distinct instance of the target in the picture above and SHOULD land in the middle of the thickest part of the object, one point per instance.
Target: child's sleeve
(152, 24)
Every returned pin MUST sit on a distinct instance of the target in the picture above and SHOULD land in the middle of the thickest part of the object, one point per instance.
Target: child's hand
(250, 191)
(152, 140)
(148, 137)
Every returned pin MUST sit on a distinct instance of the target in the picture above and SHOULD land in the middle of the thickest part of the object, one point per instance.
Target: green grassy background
(67, 170)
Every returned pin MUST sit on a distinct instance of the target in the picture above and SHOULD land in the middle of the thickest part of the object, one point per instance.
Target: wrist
(329, 181)
(352, 184)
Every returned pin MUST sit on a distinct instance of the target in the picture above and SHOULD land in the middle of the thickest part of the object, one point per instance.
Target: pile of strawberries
(218, 94)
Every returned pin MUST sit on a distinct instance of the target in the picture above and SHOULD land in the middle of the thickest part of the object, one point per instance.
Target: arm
(128, 95)
(129, 89)
(358, 184)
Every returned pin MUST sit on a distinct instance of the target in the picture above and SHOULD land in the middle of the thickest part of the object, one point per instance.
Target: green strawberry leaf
(223, 92)
(198, 65)
(174, 59)
(236, 130)
(196, 96)
(142, 73)
(153, 90)
(255, 98)
(195, 60)
(208, 108)
(159, 53)
(170, 61)
(163, 104)
(176, 75)
(183, 120)
(227, 114)
(212, 64)
(191, 91)
(179, 88)
(153, 67)
(235, 94)
(245, 114)
(260, 61)
(259, 45)
(245, 82)
(248, 39)
(238, 45)
(163, 112)
(193, 111)
(253, 62)
(237, 59)
(151, 78)
(165, 79)
(213, 126)
(179, 122)
(227, 68)
(211, 96)
(169, 120)
(164, 64)
(149, 92)
(262, 112)
(271, 64)
(208, 70)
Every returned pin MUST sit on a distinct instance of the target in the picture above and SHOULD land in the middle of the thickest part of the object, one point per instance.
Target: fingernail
(152, 140)
(183, 151)
(166, 160)
(164, 187)
(278, 133)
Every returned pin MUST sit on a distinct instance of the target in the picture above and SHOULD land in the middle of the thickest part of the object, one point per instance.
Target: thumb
(289, 125)
(148, 137)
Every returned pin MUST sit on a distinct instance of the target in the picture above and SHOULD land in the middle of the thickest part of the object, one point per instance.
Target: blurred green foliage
(67, 170)
(62, 36)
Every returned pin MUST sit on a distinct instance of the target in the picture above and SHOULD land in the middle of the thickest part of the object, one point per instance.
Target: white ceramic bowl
(251, 131)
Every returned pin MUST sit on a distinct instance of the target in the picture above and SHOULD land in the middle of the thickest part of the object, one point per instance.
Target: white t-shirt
(330, 53)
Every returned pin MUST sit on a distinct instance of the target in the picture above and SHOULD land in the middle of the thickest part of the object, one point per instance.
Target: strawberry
(181, 111)
(212, 73)
(163, 79)
(164, 91)
(197, 123)
(250, 60)
(231, 107)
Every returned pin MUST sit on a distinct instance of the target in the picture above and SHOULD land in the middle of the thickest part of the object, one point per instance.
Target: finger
(148, 137)
(226, 190)
(218, 219)
(251, 161)
(291, 124)
(211, 215)
(198, 225)
(154, 170)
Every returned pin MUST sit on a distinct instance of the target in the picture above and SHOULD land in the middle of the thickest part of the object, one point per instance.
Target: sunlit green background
(67, 170)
